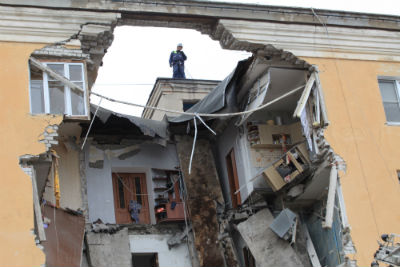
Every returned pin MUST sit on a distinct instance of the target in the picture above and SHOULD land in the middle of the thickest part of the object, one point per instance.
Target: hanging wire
(194, 144)
(91, 123)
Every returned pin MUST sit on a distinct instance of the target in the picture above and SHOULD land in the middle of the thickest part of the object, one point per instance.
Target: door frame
(147, 172)
(233, 178)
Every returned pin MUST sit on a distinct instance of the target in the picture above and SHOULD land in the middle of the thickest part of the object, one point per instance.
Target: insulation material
(267, 248)
(64, 238)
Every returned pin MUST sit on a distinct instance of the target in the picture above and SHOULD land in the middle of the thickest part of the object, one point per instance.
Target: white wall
(229, 139)
(176, 257)
(99, 181)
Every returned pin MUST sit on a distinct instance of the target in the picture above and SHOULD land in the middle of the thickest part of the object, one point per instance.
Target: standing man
(177, 61)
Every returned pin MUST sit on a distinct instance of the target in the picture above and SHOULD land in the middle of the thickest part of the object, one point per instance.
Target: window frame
(396, 81)
(67, 90)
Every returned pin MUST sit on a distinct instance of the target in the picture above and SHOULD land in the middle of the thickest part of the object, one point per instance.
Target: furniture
(287, 168)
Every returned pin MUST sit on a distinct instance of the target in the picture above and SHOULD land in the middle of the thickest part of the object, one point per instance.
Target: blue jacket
(177, 57)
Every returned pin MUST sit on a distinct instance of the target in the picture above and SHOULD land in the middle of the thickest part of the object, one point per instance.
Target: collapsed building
(247, 176)
(259, 187)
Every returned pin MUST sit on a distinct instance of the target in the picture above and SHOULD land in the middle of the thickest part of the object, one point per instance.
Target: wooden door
(233, 178)
(127, 187)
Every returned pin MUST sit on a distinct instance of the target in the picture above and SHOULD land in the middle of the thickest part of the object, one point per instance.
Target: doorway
(130, 198)
(233, 178)
(144, 260)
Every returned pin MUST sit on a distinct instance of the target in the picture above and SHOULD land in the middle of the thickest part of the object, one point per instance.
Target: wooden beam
(55, 75)
(304, 96)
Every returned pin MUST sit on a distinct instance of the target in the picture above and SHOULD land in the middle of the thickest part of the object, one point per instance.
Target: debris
(283, 224)
(267, 248)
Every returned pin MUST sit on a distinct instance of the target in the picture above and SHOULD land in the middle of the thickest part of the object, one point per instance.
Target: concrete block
(267, 248)
(109, 250)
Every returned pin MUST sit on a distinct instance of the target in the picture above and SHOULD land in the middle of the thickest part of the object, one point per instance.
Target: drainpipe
(330, 204)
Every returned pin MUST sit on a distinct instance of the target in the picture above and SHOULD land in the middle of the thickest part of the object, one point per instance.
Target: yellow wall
(19, 133)
(370, 148)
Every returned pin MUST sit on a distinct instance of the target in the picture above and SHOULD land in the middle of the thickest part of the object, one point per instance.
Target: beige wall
(174, 101)
(70, 181)
(371, 148)
(19, 133)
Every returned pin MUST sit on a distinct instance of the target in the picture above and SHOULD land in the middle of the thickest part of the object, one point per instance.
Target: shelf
(160, 178)
(157, 189)
(271, 146)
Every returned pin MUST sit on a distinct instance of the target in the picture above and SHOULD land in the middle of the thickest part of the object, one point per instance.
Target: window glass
(388, 91)
(392, 111)
(56, 92)
(37, 98)
(187, 104)
(77, 101)
(36, 91)
(390, 98)
(48, 95)
(59, 68)
(75, 72)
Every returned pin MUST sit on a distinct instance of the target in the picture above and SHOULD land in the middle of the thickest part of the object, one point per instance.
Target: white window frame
(67, 90)
(396, 81)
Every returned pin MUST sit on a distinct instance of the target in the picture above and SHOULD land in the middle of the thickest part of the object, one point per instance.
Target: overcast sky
(139, 55)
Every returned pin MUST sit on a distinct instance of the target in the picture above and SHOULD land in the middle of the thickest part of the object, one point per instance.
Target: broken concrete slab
(109, 250)
(267, 248)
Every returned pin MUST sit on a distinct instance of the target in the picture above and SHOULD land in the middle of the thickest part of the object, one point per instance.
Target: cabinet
(273, 136)
(168, 201)
(287, 168)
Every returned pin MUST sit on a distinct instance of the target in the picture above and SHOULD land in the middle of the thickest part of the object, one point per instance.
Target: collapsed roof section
(147, 127)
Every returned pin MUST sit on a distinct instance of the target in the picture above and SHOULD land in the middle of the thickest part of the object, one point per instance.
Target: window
(50, 96)
(398, 175)
(187, 104)
(390, 92)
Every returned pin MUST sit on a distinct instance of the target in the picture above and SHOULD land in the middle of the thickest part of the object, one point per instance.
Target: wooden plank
(270, 146)
(304, 153)
(273, 178)
(304, 97)
(295, 162)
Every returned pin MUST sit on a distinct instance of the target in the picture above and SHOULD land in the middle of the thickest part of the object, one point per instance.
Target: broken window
(50, 96)
(390, 92)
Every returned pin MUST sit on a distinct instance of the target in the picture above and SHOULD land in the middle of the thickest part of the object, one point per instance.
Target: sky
(139, 55)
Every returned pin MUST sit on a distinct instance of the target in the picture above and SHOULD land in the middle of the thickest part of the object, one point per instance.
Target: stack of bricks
(50, 136)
